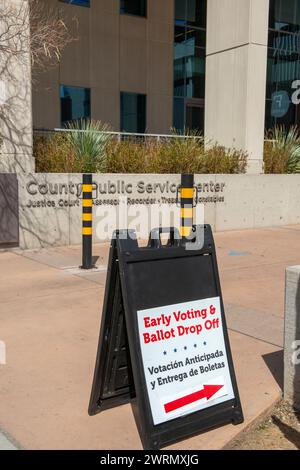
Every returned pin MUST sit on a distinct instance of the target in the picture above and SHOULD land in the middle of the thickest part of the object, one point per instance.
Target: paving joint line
(257, 339)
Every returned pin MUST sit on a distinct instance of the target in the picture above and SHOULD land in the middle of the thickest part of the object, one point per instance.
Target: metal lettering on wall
(109, 193)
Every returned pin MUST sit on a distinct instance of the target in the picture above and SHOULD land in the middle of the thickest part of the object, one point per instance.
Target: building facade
(228, 68)
(120, 70)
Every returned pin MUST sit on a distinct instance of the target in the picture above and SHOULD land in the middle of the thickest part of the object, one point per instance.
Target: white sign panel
(184, 357)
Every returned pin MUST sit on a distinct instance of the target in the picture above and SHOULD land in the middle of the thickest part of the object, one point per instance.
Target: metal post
(87, 221)
(186, 206)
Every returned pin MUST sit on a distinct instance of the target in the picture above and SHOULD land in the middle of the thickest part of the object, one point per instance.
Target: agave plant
(88, 140)
(282, 150)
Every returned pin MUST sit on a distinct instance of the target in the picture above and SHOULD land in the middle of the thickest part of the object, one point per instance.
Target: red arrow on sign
(207, 392)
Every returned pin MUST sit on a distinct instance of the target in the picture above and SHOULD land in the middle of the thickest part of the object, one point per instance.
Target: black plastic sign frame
(141, 278)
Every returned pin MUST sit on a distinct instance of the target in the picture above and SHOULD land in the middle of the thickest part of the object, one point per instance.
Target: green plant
(282, 150)
(93, 151)
(88, 140)
(175, 155)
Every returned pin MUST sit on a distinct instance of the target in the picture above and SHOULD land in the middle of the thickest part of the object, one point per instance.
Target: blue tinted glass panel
(75, 103)
(179, 77)
(196, 13)
(180, 52)
(270, 122)
(82, 3)
(195, 38)
(178, 112)
(285, 15)
(189, 63)
(283, 63)
(194, 118)
(133, 112)
(133, 7)
(195, 74)
(179, 37)
(180, 12)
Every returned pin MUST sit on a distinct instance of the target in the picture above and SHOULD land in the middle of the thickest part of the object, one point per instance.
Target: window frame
(61, 85)
(122, 92)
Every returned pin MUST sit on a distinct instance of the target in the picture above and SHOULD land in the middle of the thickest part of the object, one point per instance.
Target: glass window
(191, 12)
(75, 103)
(194, 118)
(178, 110)
(285, 15)
(189, 62)
(133, 113)
(270, 122)
(195, 74)
(195, 38)
(180, 12)
(179, 77)
(179, 61)
(271, 75)
(133, 7)
(82, 3)
(196, 13)
(283, 63)
(179, 37)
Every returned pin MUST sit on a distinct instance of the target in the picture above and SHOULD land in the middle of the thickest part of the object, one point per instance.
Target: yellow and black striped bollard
(186, 206)
(87, 221)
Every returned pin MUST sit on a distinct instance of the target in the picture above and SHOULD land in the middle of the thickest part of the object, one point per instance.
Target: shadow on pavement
(289, 433)
(94, 260)
(274, 362)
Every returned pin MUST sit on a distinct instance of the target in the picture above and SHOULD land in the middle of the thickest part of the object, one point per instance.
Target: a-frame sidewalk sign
(163, 343)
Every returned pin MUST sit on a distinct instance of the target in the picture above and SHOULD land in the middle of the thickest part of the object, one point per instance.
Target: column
(236, 66)
(292, 337)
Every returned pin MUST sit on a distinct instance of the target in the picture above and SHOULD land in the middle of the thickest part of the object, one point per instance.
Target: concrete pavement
(50, 315)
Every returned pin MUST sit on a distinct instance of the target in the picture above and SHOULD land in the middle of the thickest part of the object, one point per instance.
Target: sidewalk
(50, 317)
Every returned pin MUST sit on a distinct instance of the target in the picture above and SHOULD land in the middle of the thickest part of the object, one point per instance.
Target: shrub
(125, 157)
(219, 160)
(178, 155)
(73, 151)
(282, 150)
(88, 140)
(173, 156)
(53, 155)
(93, 151)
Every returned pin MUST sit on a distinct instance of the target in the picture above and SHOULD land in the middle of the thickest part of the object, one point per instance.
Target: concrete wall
(237, 38)
(292, 337)
(15, 96)
(231, 202)
(114, 53)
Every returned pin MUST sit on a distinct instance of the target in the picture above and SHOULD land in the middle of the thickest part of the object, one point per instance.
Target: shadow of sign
(9, 210)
